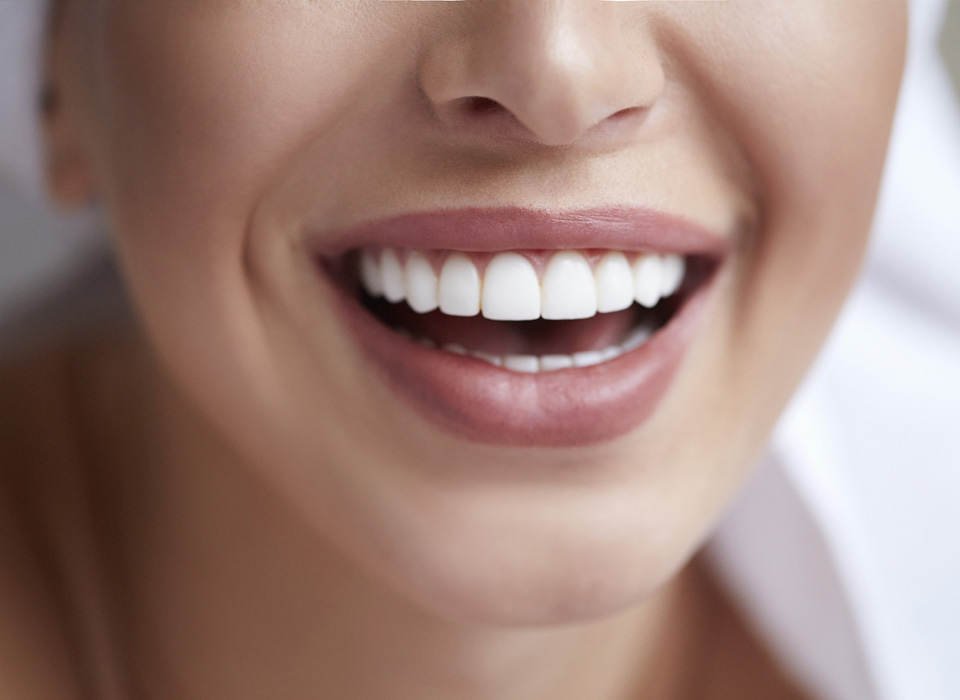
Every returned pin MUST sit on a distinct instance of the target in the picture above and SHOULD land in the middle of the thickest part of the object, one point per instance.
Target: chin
(546, 564)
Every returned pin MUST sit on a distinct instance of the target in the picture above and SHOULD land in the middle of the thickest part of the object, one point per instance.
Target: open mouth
(523, 311)
(521, 327)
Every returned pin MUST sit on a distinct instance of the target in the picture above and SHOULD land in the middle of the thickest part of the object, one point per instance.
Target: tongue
(538, 337)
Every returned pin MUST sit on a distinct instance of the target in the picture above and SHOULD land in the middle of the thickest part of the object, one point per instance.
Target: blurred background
(950, 41)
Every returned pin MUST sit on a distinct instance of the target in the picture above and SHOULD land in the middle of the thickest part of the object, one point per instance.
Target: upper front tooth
(458, 291)
(647, 276)
(370, 275)
(672, 272)
(569, 289)
(614, 283)
(421, 283)
(511, 291)
(394, 288)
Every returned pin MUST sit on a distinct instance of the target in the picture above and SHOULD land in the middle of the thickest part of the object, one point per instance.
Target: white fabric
(845, 547)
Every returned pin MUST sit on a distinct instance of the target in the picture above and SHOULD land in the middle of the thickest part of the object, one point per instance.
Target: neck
(232, 593)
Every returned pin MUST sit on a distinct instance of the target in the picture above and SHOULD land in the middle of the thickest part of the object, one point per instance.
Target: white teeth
(394, 288)
(637, 338)
(647, 275)
(370, 275)
(611, 352)
(459, 288)
(421, 283)
(522, 363)
(588, 358)
(673, 270)
(531, 364)
(614, 283)
(495, 360)
(549, 363)
(569, 289)
(511, 291)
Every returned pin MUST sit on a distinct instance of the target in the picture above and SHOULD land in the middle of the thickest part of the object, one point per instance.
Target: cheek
(808, 101)
(197, 107)
(810, 98)
(818, 152)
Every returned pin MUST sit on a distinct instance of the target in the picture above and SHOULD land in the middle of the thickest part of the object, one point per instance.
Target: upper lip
(516, 228)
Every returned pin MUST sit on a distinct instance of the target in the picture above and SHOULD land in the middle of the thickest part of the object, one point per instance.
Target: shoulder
(65, 395)
(35, 654)
(70, 415)
(34, 391)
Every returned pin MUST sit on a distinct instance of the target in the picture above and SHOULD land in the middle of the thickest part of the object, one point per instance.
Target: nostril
(482, 106)
(479, 115)
(483, 116)
(625, 113)
(487, 117)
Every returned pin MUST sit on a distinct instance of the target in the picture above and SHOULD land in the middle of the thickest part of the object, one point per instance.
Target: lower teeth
(531, 364)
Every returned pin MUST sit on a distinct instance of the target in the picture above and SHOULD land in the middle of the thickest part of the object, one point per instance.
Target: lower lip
(566, 408)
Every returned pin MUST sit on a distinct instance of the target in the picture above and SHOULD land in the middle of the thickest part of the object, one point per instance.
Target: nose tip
(543, 71)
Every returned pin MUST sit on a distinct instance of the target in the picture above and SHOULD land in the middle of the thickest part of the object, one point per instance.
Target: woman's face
(249, 151)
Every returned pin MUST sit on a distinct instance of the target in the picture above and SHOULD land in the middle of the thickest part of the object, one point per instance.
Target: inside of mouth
(539, 337)
(625, 330)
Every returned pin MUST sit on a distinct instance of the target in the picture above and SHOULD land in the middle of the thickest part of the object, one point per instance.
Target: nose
(546, 71)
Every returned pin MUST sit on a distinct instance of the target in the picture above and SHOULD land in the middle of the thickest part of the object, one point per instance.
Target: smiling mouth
(566, 344)
(524, 311)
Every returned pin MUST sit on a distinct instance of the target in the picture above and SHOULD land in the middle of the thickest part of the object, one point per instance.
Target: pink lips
(487, 404)
(491, 230)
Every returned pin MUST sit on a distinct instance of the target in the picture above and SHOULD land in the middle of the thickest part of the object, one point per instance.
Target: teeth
(522, 363)
(549, 363)
(614, 283)
(637, 338)
(459, 288)
(370, 275)
(569, 288)
(647, 276)
(672, 273)
(394, 288)
(511, 291)
(421, 282)
(611, 352)
(587, 359)
(495, 360)
(532, 364)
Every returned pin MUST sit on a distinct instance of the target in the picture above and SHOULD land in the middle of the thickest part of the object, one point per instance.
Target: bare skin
(223, 500)
(74, 532)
